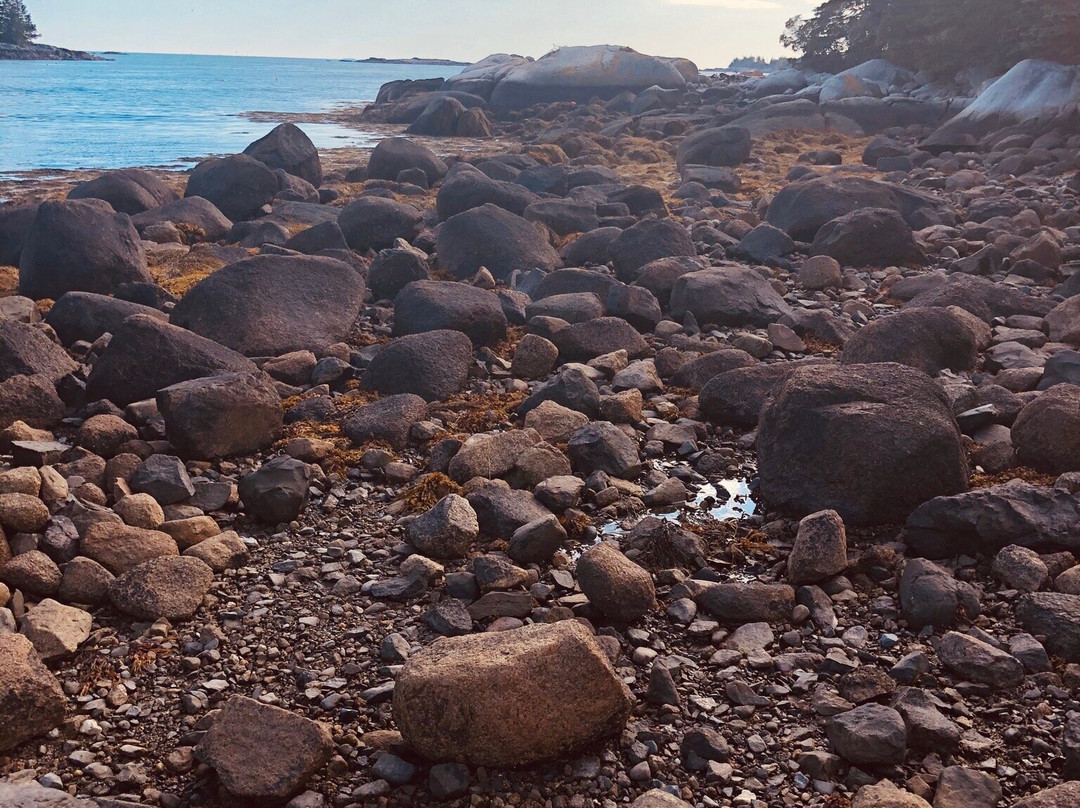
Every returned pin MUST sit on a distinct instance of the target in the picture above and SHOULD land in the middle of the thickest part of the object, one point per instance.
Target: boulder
(1063, 322)
(264, 753)
(562, 216)
(722, 146)
(169, 587)
(982, 297)
(1036, 95)
(973, 660)
(697, 373)
(820, 549)
(876, 237)
(1046, 433)
(570, 388)
(587, 340)
(930, 340)
(470, 699)
(221, 416)
(288, 148)
(164, 477)
(278, 492)
(15, 224)
(120, 548)
(602, 446)
(55, 630)
(33, 573)
(1064, 796)
(433, 365)
(394, 155)
(26, 350)
(30, 399)
(31, 700)
(802, 208)
(617, 587)
(372, 222)
(872, 442)
(491, 454)
(869, 735)
(648, 241)
(735, 396)
(740, 602)
(488, 236)
(31, 794)
(146, 355)
(1055, 616)
(128, 190)
(988, 519)
(727, 296)
(198, 218)
(237, 185)
(86, 316)
(424, 306)
(467, 188)
(394, 269)
(79, 246)
(387, 419)
(930, 596)
(447, 530)
(582, 73)
(272, 304)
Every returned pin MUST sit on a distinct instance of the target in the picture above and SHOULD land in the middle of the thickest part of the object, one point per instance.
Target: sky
(710, 32)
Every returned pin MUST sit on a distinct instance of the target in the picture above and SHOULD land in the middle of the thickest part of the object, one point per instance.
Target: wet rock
(433, 365)
(447, 530)
(620, 589)
(31, 700)
(262, 752)
(221, 416)
(820, 549)
(869, 735)
(278, 491)
(454, 700)
(871, 442)
(976, 661)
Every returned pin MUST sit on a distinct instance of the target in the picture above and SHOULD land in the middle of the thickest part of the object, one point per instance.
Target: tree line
(16, 27)
(941, 37)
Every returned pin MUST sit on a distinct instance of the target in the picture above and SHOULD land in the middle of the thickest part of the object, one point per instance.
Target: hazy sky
(711, 32)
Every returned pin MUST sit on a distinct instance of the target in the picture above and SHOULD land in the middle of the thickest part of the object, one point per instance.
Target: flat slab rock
(264, 752)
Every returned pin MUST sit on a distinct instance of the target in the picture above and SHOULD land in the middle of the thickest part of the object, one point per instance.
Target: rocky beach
(611, 434)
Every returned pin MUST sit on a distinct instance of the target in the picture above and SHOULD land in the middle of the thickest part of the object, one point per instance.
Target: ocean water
(169, 110)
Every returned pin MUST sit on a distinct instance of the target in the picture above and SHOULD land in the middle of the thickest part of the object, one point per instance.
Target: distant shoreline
(45, 53)
(375, 60)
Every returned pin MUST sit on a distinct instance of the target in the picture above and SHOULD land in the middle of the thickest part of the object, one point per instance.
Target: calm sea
(167, 110)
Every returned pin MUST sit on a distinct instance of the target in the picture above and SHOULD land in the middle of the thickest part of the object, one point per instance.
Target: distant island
(374, 60)
(45, 53)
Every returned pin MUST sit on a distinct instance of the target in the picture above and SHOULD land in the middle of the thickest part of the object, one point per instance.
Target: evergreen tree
(16, 27)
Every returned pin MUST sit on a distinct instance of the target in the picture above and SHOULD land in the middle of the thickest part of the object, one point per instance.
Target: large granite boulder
(721, 146)
(581, 73)
(466, 188)
(1046, 434)
(396, 154)
(872, 442)
(128, 190)
(273, 304)
(491, 237)
(436, 305)
(31, 700)
(802, 208)
(199, 219)
(433, 365)
(238, 185)
(288, 148)
(146, 355)
(876, 237)
(79, 246)
(930, 339)
(26, 350)
(510, 698)
(372, 222)
(86, 316)
(728, 296)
